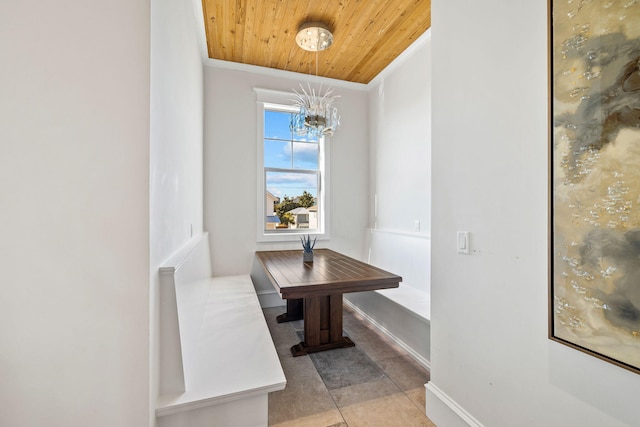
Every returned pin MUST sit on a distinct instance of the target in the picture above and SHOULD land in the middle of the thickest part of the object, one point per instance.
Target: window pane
(305, 155)
(277, 154)
(291, 184)
(291, 173)
(312, 138)
(293, 196)
(276, 125)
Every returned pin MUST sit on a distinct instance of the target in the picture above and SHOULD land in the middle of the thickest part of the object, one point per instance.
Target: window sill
(290, 236)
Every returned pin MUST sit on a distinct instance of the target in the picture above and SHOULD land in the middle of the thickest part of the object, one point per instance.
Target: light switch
(463, 242)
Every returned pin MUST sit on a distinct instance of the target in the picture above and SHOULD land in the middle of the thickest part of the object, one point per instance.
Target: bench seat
(229, 351)
(219, 362)
(403, 313)
(413, 300)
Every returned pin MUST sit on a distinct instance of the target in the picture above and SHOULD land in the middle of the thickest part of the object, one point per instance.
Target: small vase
(307, 257)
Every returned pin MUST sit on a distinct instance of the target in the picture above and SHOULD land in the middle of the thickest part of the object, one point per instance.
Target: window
(292, 179)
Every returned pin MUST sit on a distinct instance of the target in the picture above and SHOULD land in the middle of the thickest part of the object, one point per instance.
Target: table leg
(294, 311)
(322, 325)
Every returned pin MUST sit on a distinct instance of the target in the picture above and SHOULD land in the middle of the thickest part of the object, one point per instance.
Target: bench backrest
(185, 268)
(405, 254)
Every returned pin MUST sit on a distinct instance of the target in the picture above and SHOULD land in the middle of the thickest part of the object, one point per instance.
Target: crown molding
(255, 69)
(400, 59)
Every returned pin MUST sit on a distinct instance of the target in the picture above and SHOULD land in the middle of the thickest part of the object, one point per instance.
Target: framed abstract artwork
(594, 286)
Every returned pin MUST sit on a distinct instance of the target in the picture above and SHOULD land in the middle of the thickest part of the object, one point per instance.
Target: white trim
(456, 414)
(201, 34)
(401, 58)
(280, 107)
(418, 358)
(400, 233)
(167, 407)
(175, 261)
(265, 98)
(270, 96)
(256, 69)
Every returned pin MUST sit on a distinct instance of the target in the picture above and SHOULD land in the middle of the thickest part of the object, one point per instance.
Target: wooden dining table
(314, 292)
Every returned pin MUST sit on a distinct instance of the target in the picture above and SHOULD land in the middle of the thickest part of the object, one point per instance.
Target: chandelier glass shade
(318, 116)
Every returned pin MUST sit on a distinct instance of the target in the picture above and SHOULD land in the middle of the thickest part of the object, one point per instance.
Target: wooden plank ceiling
(367, 34)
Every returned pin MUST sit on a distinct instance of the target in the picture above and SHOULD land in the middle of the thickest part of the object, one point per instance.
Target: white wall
(74, 179)
(400, 123)
(176, 152)
(231, 168)
(489, 350)
(400, 187)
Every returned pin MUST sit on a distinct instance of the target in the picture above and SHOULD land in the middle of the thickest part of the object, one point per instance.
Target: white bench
(403, 313)
(217, 360)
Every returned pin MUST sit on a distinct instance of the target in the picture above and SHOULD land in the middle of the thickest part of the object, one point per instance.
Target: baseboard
(444, 411)
(417, 357)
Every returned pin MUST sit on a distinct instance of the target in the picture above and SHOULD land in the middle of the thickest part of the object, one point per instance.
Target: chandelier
(317, 115)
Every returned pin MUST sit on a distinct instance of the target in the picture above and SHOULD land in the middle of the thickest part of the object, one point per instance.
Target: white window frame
(282, 101)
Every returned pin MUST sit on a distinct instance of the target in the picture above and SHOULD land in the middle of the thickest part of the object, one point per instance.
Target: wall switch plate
(463, 242)
(416, 225)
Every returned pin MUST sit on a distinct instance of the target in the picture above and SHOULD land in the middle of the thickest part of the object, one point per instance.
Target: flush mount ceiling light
(314, 36)
(317, 116)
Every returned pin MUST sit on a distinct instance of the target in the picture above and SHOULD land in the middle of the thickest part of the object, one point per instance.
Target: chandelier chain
(317, 116)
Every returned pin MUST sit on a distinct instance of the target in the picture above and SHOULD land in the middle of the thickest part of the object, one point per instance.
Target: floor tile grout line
(323, 382)
(376, 361)
(388, 377)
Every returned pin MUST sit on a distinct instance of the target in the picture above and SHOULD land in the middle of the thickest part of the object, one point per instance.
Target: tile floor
(372, 384)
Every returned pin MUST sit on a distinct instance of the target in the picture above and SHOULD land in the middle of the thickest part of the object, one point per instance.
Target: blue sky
(282, 184)
(290, 152)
